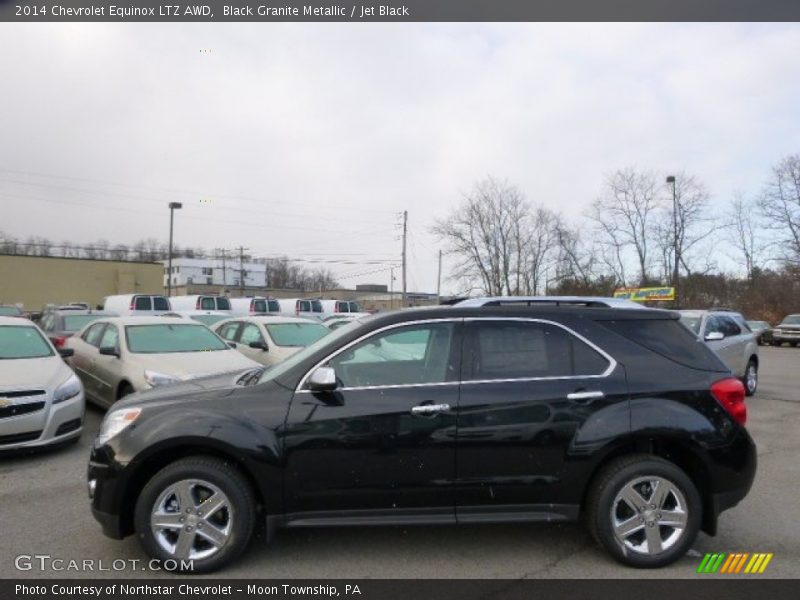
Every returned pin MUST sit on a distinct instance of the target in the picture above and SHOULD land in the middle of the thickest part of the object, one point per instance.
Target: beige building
(35, 281)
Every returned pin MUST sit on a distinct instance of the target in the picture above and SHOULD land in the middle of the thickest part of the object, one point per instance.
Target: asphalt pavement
(44, 510)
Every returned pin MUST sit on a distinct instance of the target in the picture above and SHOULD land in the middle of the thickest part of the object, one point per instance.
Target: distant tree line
(282, 272)
(502, 244)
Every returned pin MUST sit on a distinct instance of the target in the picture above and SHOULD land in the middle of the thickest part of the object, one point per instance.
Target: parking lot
(45, 510)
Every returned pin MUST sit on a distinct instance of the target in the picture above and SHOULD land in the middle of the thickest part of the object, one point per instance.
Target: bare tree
(780, 205)
(624, 218)
(484, 235)
(119, 252)
(742, 229)
(539, 247)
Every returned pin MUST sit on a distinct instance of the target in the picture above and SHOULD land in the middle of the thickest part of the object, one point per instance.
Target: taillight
(59, 341)
(197, 304)
(730, 394)
(133, 303)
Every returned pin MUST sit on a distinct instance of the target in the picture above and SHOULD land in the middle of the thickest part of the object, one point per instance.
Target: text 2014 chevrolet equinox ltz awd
(446, 415)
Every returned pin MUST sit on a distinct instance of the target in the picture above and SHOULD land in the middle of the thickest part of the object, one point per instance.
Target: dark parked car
(439, 416)
(762, 330)
(787, 331)
(59, 325)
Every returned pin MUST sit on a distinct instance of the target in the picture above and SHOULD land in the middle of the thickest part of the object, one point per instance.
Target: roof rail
(587, 301)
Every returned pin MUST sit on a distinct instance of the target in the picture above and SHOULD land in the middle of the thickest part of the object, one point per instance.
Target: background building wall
(38, 280)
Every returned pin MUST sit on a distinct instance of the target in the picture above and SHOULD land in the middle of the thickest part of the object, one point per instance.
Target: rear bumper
(111, 524)
(738, 482)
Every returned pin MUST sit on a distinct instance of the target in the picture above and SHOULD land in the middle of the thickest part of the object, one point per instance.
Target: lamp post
(671, 179)
(173, 206)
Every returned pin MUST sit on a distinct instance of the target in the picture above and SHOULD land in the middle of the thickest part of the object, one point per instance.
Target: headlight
(154, 378)
(115, 422)
(778, 331)
(69, 389)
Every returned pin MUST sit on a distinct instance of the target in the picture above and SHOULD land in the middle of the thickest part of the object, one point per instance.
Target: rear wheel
(197, 509)
(750, 379)
(644, 511)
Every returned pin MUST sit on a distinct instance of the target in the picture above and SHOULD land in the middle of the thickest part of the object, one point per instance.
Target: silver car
(727, 333)
(41, 399)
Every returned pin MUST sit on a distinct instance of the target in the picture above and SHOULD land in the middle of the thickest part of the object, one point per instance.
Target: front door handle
(429, 409)
(585, 397)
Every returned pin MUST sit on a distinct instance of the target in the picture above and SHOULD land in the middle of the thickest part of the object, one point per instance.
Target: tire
(776, 343)
(125, 390)
(186, 533)
(632, 473)
(750, 379)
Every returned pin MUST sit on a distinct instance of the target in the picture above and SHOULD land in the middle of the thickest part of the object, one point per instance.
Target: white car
(336, 321)
(117, 356)
(270, 339)
(136, 304)
(41, 399)
(206, 317)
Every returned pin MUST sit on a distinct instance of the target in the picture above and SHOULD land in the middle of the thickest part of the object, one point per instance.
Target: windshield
(310, 350)
(692, 322)
(9, 311)
(22, 342)
(791, 320)
(296, 334)
(76, 322)
(151, 339)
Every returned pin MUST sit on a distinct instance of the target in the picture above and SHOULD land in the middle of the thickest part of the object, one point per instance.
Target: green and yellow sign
(650, 294)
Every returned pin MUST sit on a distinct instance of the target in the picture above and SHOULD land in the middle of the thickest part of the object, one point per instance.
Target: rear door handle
(429, 409)
(585, 397)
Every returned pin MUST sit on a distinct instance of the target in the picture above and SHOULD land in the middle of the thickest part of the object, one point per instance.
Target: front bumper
(53, 424)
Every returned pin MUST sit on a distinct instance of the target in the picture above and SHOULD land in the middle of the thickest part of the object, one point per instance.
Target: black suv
(439, 416)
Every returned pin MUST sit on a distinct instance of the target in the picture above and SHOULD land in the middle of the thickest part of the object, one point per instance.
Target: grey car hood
(33, 373)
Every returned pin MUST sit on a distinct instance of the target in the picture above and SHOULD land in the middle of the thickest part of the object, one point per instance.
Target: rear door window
(223, 304)
(143, 303)
(304, 306)
(92, 335)
(160, 303)
(527, 350)
(228, 331)
(110, 338)
(274, 306)
(316, 306)
(207, 304)
(259, 306)
(354, 307)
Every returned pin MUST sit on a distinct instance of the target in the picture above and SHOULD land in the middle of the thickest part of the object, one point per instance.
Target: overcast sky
(310, 139)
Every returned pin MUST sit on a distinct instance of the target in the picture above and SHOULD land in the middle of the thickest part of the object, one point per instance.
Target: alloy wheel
(192, 519)
(649, 515)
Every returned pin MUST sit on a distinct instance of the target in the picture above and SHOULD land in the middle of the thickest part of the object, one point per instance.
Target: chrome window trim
(612, 363)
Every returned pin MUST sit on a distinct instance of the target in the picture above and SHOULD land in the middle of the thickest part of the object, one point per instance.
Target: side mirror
(232, 345)
(109, 351)
(323, 379)
(259, 346)
(715, 336)
(66, 352)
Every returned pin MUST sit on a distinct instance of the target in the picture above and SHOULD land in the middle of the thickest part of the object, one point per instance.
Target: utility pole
(405, 236)
(173, 206)
(675, 273)
(439, 281)
(391, 288)
(224, 254)
(241, 270)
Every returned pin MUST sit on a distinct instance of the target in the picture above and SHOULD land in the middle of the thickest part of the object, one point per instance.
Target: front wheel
(750, 379)
(644, 511)
(198, 512)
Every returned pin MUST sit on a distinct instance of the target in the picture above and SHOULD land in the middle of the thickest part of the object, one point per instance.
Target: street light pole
(671, 179)
(172, 207)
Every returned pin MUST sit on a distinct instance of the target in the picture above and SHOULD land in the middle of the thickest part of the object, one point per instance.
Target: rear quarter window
(670, 339)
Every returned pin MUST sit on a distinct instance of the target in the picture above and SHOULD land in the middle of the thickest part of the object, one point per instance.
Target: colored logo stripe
(720, 562)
